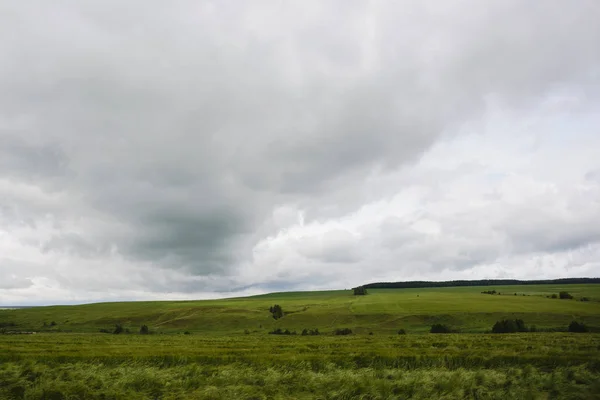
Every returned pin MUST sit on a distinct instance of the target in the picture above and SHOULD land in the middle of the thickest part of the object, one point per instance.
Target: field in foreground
(227, 352)
(255, 366)
(381, 311)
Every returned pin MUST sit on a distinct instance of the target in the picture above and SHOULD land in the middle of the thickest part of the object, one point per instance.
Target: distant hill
(482, 282)
(382, 311)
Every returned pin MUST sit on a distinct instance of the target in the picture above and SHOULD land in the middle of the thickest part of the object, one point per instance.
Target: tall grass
(28, 380)
(96, 366)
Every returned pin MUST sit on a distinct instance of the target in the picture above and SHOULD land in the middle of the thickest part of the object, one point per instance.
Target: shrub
(144, 330)
(565, 296)
(276, 311)
(439, 328)
(52, 323)
(554, 296)
(343, 331)
(360, 291)
(118, 329)
(489, 292)
(187, 333)
(401, 332)
(278, 331)
(509, 326)
(575, 326)
(584, 299)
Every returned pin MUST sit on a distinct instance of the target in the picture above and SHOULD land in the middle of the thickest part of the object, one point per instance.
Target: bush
(509, 326)
(565, 296)
(554, 296)
(278, 331)
(577, 327)
(343, 331)
(584, 299)
(439, 328)
(401, 332)
(360, 291)
(118, 329)
(489, 292)
(144, 330)
(276, 311)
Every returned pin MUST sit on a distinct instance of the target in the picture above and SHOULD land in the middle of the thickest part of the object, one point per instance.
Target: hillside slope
(382, 310)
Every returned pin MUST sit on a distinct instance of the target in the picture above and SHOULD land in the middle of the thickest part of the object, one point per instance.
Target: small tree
(144, 330)
(360, 291)
(118, 329)
(277, 311)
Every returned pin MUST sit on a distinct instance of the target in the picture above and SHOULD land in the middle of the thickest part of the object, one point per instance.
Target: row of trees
(511, 326)
(120, 329)
(483, 282)
(305, 332)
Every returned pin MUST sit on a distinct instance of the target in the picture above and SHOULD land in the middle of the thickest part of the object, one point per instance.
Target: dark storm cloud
(171, 132)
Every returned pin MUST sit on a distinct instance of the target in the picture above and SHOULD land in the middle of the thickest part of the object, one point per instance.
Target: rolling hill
(465, 308)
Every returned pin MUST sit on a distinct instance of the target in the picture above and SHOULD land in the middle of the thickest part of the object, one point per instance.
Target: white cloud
(190, 149)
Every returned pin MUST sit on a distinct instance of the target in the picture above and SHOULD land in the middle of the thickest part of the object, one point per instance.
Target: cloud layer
(202, 149)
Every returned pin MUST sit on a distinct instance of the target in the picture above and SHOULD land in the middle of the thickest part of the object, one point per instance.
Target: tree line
(482, 282)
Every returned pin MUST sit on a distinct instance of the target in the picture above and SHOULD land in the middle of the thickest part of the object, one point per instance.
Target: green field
(382, 311)
(228, 353)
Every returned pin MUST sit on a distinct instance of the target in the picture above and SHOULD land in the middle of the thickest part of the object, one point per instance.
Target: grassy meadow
(381, 311)
(221, 349)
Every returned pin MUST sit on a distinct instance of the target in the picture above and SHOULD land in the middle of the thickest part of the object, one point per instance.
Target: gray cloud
(169, 134)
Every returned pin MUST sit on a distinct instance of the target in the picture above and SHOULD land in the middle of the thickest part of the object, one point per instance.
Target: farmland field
(222, 350)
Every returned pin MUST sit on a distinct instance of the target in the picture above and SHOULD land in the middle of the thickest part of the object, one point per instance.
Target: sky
(205, 149)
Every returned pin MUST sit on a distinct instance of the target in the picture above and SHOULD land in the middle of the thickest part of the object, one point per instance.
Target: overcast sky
(199, 149)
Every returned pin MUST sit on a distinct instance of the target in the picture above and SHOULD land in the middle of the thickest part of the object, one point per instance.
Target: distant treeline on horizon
(482, 282)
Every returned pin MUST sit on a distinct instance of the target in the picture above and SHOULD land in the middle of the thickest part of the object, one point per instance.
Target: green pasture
(381, 311)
